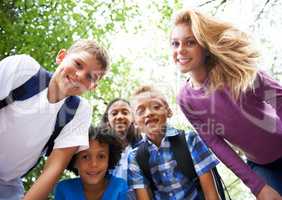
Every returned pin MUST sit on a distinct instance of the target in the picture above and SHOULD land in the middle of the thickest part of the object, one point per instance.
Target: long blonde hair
(231, 59)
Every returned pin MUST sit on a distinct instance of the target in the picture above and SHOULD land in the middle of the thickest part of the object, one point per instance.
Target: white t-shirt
(25, 126)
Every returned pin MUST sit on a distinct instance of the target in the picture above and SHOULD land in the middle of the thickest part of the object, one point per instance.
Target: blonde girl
(226, 98)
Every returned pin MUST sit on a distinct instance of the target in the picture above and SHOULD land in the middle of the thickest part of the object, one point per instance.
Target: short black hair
(105, 135)
(133, 134)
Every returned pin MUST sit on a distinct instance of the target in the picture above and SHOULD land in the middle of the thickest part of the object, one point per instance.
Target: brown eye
(114, 113)
(125, 112)
(191, 43)
(140, 111)
(174, 44)
(85, 157)
(78, 65)
(101, 156)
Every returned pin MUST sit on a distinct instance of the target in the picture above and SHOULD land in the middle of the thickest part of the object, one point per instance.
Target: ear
(92, 87)
(169, 112)
(61, 55)
(75, 165)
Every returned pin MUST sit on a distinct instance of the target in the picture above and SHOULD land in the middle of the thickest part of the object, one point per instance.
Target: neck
(95, 191)
(199, 77)
(54, 95)
(156, 138)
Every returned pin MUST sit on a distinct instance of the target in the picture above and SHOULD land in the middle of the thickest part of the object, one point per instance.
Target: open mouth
(149, 122)
(92, 173)
(183, 61)
(73, 84)
(121, 124)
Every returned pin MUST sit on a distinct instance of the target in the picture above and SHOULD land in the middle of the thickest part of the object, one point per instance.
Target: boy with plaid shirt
(151, 112)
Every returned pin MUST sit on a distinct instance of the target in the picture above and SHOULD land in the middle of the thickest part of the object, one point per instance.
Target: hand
(268, 193)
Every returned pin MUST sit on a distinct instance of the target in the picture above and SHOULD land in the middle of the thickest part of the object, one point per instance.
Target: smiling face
(187, 53)
(120, 117)
(92, 164)
(151, 113)
(77, 72)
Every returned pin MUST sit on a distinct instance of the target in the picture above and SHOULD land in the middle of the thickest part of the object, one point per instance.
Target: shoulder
(21, 62)
(14, 59)
(69, 189)
(83, 112)
(15, 71)
(75, 132)
(194, 141)
(69, 182)
(118, 183)
(117, 180)
(84, 107)
(264, 79)
(181, 93)
(136, 148)
(191, 136)
(66, 185)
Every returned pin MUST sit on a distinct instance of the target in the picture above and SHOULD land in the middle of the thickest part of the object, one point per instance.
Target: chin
(94, 181)
(121, 134)
(184, 70)
(74, 92)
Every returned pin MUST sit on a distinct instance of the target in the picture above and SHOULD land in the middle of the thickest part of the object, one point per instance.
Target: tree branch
(262, 10)
(206, 3)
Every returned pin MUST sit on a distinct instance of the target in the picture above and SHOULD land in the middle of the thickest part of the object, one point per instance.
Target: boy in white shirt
(26, 126)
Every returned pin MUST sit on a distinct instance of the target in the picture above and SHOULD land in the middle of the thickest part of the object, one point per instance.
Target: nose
(148, 112)
(79, 74)
(93, 162)
(80, 78)
(119, 115)
(181, 48)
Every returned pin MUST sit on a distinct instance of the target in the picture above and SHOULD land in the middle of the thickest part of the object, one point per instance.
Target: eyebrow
(102, 151)
(186, 38)
(80, 60)
(139, 106)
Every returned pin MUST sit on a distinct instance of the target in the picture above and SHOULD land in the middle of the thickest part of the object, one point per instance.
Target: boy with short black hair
(27, 124)
(151, 112)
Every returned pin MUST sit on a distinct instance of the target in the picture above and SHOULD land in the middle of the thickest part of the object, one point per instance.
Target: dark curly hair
(133, 134)
(105, 135)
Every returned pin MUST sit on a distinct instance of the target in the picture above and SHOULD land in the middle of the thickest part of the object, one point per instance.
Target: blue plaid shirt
(171, 183)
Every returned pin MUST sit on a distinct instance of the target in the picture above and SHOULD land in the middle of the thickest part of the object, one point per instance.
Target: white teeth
(183, 60)
(73, 83)
(150, 121)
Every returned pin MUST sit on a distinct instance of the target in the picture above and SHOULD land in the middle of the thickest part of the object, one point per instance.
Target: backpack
(33, 86)
(184, 162)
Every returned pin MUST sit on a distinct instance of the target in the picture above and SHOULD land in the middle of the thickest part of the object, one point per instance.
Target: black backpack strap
(179, 145)
(31, 87)
(142, 158)
(64, 116)
(219, 184)
(184, 160)
(182, 156)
